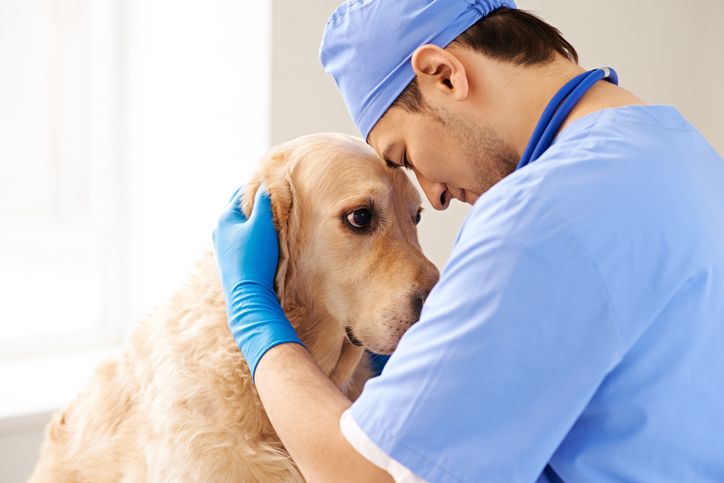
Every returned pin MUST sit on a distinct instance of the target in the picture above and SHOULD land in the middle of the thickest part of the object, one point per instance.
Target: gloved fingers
(262, 205)
(236, 192)
(233, 209)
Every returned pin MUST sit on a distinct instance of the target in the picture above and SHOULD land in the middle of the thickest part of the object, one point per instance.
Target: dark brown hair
(505, 34)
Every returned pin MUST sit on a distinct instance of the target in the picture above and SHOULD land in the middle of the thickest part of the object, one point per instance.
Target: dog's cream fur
(179, 404)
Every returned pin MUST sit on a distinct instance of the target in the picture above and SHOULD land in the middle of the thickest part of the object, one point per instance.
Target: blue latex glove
(246, 254)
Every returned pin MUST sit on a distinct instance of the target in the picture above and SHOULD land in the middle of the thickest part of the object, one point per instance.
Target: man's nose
(436, 192)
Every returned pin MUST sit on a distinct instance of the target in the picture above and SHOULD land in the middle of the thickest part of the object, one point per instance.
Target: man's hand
(303, 405)
(246, 252)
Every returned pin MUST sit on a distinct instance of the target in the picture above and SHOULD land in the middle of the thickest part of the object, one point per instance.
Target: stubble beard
(491, 158)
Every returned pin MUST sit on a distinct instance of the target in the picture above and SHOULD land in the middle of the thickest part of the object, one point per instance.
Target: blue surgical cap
(367, 46)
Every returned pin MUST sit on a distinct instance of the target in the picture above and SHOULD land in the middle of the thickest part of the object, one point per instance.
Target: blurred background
(125, 125)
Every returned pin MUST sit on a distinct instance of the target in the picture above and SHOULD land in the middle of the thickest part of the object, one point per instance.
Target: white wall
(20, 440)
(665, 52)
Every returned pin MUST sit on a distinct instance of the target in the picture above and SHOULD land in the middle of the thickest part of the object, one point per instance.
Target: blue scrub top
(579, 321)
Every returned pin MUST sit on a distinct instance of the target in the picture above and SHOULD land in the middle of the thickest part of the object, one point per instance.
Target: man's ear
(439, 72)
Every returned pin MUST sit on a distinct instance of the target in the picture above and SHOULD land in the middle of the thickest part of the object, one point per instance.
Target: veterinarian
(576, 332)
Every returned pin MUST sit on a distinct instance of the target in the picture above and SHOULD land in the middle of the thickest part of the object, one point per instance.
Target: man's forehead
(383, 134)
(385, 149)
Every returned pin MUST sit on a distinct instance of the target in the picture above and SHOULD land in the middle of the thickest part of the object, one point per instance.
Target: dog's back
(177, 405)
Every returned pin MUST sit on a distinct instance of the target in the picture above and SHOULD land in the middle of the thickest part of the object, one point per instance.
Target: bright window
(124, 128)
(54, 98)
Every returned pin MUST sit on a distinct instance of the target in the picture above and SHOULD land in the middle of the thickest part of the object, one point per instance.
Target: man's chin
(470, 198)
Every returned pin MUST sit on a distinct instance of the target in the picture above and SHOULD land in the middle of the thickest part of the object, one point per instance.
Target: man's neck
(513, 97)
(601, 95)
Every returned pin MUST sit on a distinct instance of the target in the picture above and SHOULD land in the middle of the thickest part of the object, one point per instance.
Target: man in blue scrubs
(575, 334)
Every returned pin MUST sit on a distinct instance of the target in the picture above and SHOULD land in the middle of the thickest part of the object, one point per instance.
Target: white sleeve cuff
(367, 448)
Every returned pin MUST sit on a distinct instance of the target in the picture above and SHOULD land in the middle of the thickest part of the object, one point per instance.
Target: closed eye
(406, 162)
(391, 165)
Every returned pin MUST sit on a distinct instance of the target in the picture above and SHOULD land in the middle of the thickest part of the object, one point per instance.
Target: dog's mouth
(352, 338)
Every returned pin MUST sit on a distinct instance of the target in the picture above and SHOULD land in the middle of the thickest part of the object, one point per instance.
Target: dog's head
(348, 248)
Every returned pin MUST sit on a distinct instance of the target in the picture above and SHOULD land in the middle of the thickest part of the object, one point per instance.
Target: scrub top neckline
(591, 118)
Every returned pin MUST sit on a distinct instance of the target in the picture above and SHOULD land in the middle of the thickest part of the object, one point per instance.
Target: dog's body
(179, 403)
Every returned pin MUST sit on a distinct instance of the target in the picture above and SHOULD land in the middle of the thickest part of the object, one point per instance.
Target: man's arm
(305, 407)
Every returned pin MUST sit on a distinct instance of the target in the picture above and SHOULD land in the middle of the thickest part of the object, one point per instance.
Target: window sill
(43, 384)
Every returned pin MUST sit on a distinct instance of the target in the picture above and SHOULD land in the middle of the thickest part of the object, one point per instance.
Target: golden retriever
(179, 405)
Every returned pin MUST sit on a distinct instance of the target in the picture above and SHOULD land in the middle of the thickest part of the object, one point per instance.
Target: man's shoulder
(609, 161)
(639, 217)
(620, 178)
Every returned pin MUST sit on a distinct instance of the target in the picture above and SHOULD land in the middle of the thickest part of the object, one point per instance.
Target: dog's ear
(274, 172)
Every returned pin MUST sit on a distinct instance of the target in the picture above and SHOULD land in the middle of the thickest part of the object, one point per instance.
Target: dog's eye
(359, 218)
(417, 217)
